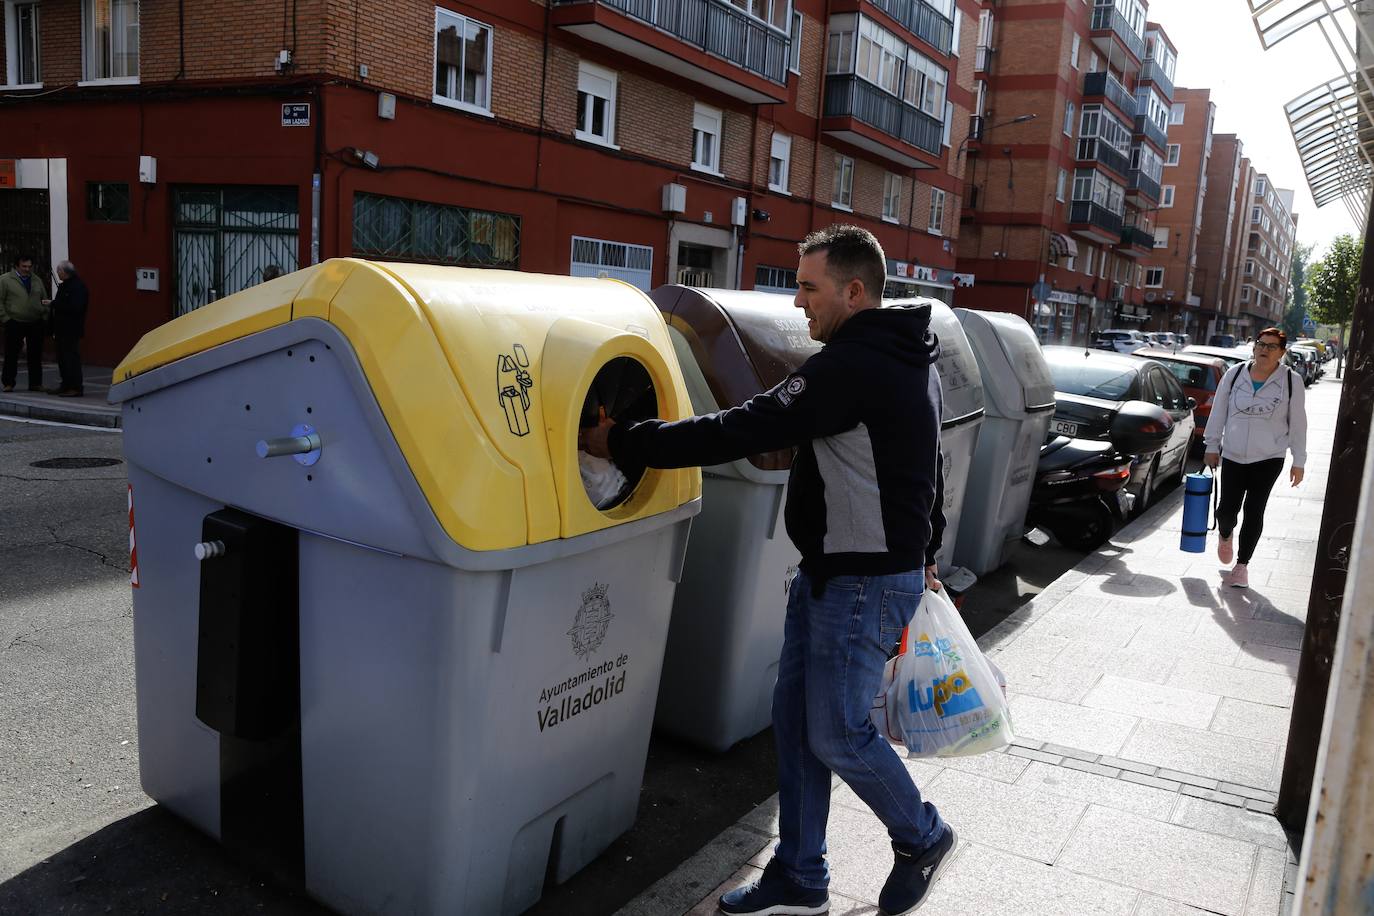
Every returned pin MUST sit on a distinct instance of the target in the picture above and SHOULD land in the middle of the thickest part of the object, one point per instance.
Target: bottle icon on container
(513, 384)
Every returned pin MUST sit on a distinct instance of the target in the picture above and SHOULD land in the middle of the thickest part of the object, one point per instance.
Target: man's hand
(595, 440)
(1212, 459)
(1295, 475)
(932, 583)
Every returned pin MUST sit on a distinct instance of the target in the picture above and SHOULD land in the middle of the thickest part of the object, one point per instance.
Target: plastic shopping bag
(940, 697)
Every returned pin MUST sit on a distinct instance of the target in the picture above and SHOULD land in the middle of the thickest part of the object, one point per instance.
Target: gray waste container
(960, 422)
(379, 626)
(1020, 403)
(726, 635)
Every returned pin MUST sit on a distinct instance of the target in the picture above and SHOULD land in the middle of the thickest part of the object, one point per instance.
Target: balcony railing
(1144, 185)
(982, 58)
(1085, 212)
(1148, 129)
(976, 123)
(1154, 73)
(1091, 150)
(851, 97)
(1106, 18)
(1135, 237)
(714, 26)
(921, 20)
(1109, 87)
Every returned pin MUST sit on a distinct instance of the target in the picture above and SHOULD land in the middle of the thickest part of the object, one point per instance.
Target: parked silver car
(1120, 341)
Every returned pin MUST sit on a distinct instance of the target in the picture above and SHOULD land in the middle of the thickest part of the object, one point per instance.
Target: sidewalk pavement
(89, 410)
(1151, 707)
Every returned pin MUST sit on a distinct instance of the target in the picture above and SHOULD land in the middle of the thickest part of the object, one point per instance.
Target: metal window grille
(224, 237)
(107, 202)
(415, 230)
(24, 229)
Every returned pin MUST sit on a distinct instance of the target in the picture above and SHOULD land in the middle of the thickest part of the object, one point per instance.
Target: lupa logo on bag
(949, 695)
(925, 647)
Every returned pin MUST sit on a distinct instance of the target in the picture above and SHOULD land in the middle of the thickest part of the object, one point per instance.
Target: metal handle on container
(303, 443)
(208, 550)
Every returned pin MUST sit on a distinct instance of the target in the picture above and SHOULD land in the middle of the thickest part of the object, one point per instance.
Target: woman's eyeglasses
(1262, 347)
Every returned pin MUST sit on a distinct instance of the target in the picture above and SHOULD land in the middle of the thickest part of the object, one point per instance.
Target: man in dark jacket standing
(69, 326)
(863, 508)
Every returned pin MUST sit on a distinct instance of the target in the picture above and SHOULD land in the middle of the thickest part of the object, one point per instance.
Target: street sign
(1308, 324)
(295, 114)
(1040, 291)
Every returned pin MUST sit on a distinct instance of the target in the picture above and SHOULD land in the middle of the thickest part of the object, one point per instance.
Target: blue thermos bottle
(1197, 493)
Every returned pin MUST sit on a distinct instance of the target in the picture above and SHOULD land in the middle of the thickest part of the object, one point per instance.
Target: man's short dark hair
(852, 253)
(1277, 332)
(24, 256)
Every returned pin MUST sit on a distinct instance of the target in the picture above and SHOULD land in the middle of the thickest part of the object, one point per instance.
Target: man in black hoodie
(863, 508)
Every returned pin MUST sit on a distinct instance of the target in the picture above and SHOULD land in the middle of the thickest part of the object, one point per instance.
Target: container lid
(960, 381)
(1015, 373)
(743, 341)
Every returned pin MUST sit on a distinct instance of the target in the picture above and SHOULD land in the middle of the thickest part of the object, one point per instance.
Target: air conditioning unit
(674, 198)
(1150, 297)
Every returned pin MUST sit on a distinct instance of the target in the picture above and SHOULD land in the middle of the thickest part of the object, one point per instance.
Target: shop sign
(1062, 298)
(8, 173)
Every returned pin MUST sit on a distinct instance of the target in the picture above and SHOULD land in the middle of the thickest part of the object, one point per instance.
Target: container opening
(624, 390)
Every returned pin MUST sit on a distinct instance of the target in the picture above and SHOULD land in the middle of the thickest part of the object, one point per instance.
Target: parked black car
(1120, 430)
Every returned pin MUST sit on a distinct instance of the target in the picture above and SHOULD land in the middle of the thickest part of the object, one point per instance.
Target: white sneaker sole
(939, 871)
(787, 909)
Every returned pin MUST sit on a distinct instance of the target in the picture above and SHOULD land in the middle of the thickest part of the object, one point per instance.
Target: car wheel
(1145, 498)
(1089, 534)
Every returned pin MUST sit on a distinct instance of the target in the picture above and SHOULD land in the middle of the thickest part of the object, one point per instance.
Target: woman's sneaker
(774, 894)
(1240, 576)
(1225, 552)
(914, 875)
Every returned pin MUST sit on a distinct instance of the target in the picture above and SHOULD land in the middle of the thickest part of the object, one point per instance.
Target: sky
(1219, 49)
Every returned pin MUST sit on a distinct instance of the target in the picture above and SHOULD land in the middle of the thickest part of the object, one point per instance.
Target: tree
(1333, 282)
(1297, 292)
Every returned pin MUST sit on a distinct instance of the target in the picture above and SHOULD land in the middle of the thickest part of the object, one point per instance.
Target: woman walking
(1258, 415)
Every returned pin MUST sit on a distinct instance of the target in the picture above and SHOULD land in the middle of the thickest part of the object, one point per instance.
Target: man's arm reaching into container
(813, 402)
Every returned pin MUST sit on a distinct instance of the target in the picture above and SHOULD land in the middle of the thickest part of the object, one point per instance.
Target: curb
(60, 414)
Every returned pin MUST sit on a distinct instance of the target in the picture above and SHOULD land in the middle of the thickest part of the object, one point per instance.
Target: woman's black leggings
(1250, 484)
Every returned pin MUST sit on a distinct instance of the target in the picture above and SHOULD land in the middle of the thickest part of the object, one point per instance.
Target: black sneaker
(914, 875)
(774, 894)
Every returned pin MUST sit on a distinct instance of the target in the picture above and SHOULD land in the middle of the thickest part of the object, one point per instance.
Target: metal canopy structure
(1332, 123)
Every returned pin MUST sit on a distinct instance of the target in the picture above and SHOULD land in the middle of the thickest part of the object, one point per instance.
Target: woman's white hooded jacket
(1248, 425)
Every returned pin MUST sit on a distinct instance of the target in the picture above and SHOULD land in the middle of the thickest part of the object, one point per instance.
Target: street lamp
(1019, 119)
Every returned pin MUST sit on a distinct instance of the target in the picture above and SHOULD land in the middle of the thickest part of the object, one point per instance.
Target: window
(843, 194)
(937, 212)
(22, 43)
(1166, 196)
(634, 264)
(1176, 113)
(107, 202)
(1089, 252)
(892, 196)
(1249, 267)
(1161, 236)
(1059, 185)
(794, 62)
(1094, 62)
(1068, 119)
(956, 33)
(462, 61)
(775, 279)
(706, 139)
(596, 87)
(416, 230)
(1255, 215)
(110, 40)
(1245, 294)
(780, 163)
(1260, 187)
(1154, 277)
(1173, 154)
(1073, 52)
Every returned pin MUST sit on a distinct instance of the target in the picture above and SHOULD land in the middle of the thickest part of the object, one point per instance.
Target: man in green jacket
(24, 312)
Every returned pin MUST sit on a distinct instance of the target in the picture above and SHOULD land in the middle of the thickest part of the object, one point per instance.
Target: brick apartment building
(1072, 101)
(1223, 238)
(1173, 286)
(1266, 271)
(174, 150)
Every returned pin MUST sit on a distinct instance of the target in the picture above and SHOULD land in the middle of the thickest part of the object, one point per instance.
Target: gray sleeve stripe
(853, 503)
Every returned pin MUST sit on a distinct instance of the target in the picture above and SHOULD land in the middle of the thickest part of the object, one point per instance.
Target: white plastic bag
(940, 697)
(602, 478)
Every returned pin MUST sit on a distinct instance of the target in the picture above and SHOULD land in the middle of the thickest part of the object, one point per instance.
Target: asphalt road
(77, 834)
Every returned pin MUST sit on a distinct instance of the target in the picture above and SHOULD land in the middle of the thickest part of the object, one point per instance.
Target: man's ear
(855, 293)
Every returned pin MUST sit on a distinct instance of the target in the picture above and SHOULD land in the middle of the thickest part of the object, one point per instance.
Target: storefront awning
(1063, 246)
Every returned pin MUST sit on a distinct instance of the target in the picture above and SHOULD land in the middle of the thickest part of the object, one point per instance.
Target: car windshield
(1082, 377)
(1190, 375)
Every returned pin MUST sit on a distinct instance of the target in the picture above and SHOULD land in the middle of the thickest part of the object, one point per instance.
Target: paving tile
(1130, 766)
(1140, 852)
(1157, 782)
(1228, 681)
(1030, 754)
(1266, 890)
(1152, 663)
(1264, 795)
(859, 852)
(1086, 767)
(1224, 820)
(923, 773)
(1206, 753)
(1098, 730)
(1252, 720)
(1002, 767)
(1188, 779)
(1031, 672)
(1158, 906)
(1097, 626)
(1219, 649)
(1089, 787)
(1259, 657)
(1284, 633)
(992, 883)
(1073, 752)
(1153, 701)
(1014, 819)
(707, 907)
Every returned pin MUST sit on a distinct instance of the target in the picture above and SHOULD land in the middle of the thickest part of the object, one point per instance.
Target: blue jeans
(833, 651)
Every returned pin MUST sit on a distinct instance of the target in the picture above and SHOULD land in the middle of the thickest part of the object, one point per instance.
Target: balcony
(976, 125)
(1094, 222)
(1152, 72)
(1100, 152)
(1151, 131)
(982, 58)
(920, 19)
(1143, 187)
(1108, 24)
(861, 114)
(709, 42)
(1104, 85)
(1135, 242)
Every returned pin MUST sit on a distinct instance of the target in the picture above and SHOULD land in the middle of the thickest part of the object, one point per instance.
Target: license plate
(1063, 428)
